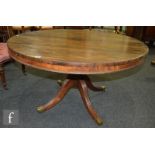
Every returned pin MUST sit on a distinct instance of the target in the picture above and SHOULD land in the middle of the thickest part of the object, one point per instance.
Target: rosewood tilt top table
(77, 53)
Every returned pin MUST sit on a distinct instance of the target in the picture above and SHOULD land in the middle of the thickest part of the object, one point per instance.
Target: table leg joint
(82, 83)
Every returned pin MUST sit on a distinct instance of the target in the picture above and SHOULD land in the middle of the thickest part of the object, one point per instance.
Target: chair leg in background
(2, 77)
(23, 69)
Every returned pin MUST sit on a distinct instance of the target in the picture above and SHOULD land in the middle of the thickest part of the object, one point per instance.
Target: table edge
(77, 68)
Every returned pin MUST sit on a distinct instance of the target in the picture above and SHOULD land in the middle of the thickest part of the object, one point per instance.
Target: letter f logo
(10, 117)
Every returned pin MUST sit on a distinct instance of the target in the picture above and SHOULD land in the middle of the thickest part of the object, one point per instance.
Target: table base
(82, 83)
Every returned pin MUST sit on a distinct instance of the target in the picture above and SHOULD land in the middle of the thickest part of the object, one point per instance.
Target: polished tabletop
(77, 51)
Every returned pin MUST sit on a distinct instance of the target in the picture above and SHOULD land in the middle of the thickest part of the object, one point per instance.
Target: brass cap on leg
(99, 121)
(103, 88)
(40, 109)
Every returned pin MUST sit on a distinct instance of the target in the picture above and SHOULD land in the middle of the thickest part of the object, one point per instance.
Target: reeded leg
(60, 95)
(84, 94)
(2, 76)
(23, 69)
(92, 87)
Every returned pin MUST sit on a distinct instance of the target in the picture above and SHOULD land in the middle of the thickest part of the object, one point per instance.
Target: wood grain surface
(77, 51)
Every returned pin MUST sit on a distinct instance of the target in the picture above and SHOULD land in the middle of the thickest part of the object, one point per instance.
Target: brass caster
(60, 82)
(40, 109)
(103, 88)
(99, 121)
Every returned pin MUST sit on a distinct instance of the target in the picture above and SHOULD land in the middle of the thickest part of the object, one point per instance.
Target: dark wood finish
(92, 87)
(82, 86)
(59, 27)
(77, 51)
(62, 92)
(89, 84)
(149, 33)
(82, 83)
(129, 30)
(2, 77)
(23, 69)
(144, 33)
(135, 31)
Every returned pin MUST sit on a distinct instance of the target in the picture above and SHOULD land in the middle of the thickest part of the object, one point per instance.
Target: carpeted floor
(129, 100)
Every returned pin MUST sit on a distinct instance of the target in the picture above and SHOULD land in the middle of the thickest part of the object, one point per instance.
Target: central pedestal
(82, 83)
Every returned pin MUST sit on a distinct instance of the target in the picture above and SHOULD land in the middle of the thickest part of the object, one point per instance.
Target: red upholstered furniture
(4, 57)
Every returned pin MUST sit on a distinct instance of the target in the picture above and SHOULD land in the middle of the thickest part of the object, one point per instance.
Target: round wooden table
(77, 53)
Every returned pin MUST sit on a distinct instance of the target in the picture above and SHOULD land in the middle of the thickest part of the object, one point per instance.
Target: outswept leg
(92, 87)
(82, 83)
(84, 94)
(60, 95)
